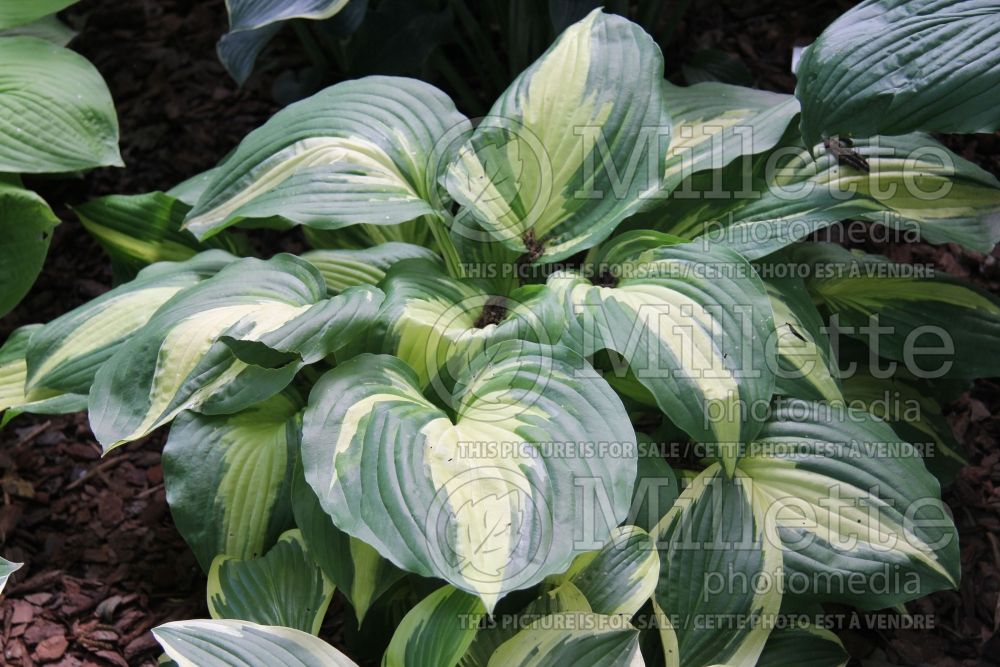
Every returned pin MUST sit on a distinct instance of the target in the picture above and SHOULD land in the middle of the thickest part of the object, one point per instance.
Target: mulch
(103, 561)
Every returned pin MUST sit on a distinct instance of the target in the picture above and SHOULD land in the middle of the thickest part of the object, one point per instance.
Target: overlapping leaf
(231, 341)
(691, 323)
(621, 576)
(365, 151)
(436, 323)
(228, 478)
(137, 230)
(478, 498)
(759, 205)
(65, 354)
(860, 518)
(806, 368)
(938, 326)
(367, 266)
(437, 631)
(715, 123)
(570, 638)
(360, 573)
(285, 587)
(13, 380)
(713, 544)
(573, 147)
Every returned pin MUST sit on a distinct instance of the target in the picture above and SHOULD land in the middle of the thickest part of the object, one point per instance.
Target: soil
(103, 561)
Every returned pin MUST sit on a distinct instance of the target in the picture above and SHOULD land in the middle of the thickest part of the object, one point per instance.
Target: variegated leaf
(437, 631)
(805, 646)
(360, 573)
(574, 146)
(226, 643)
(860, 518)
(690, 321)
(912, 183)
(621, 576)
(231, 341)
(475, 496)
(436, 323)
(718, 560)
(365, 151)
(284, 587)
(345, 268)
(564, 598)
(572, 638)
(65, 354)
(806, 368)
(137, 230)
(914, 415)
(936, 325)
(715, 123)
(228, 477)
(13, 380)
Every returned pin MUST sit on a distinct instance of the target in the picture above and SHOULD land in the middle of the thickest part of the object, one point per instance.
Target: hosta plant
(565, 384)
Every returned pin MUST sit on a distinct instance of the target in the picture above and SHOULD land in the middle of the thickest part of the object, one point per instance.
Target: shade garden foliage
(564, 366)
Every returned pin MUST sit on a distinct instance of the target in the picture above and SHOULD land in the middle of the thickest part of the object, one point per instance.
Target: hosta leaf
(573, 146)
(49, 28)
(285, 587)
(691, 322)
(436, 323)
(346, 268)
(914, 185)
(894, 66)
(656, 489)
(273, 315)
(936, 325)
(860, 518)
(804, 357)
(621, 576)
(805, 646)
(564, 598)
(137, 230)
(437, 631)
(253, 23)
(360, 573)
(717, 561)
(26, 224)
(572, 638)
(56, 113)
(18, 13)
(66, 353)
(13, 380)
(477, 498)
(913, 415)
(365, 151)
(225, 643)
(228, 477)
(7, 568)
(715, 123)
